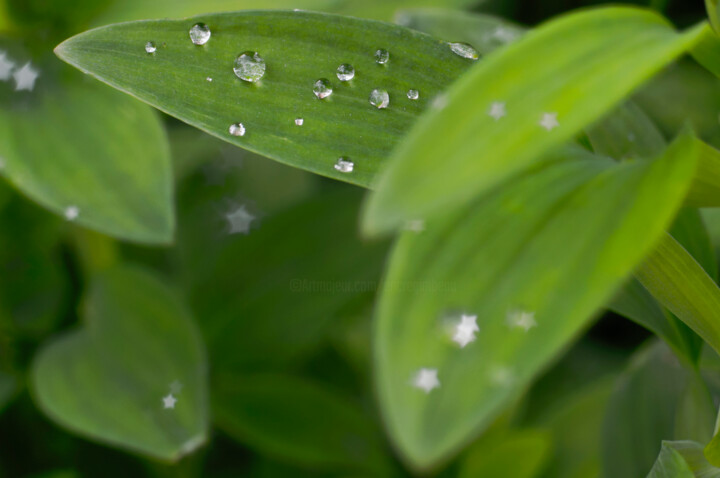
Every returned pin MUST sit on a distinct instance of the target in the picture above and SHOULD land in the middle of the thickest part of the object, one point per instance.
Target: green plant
(533, 181)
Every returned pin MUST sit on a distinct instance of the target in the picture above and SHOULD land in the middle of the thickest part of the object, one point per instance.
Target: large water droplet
(249, 66)
(322, 88)
(379, 98)
(150, 47)
(413, 94)
(237, 129)
(382, 56)
(344, 165)
(464, 50)
(200, 34)
(345, 72)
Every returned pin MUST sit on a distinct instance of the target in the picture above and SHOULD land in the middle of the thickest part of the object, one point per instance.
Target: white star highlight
(176, 387)
(239, 220)
(505, 35)
(521, 319)
(502, 376)
(169, 401)
(497, 110)
(426, 379)
(549, 121)
(71, 213)
(415, 225)
(6, 67)
(465, 330)
(25, 78)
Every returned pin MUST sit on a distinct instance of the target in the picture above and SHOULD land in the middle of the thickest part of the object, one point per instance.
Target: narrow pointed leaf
(555, 242)
(453, 154)
(298, 48)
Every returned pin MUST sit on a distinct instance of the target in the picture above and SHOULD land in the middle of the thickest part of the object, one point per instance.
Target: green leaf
(713, 14)
(456, 152)
(705, 190)
(267, 298)
(555, 242)
(107, 381)
(670, 464)
(691, 453)
(626, 133)
(8, 387)
(298, 421)
(707, 51)
(484, 32)
(678, 282)
(298, 48)
(520, 454)
(105, 155)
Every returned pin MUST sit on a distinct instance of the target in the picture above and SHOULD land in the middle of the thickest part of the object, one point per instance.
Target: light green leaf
(455, 153)
(707, 51)
(108, 380)
(105, 155)
(519, 454)
(484, 32)
(705, 190)
(556, 243)
(298, 421)
(679, 283)
(670, 464)
(626, 133)
(692, 454)
(713, 15)
(298, 48)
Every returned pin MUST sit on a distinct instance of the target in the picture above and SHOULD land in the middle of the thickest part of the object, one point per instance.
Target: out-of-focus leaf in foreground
(103, 164)
(134, 376)
(197, 83)
(527, 265)
(677, 457)
(493, 126)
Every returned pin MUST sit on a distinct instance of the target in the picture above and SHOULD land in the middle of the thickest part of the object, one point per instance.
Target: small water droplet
(413, 94)
(72, 212)
(200, 34)
(322, 88)
(237, 129)
(344, 165)
(464, 50)
(382, 56)
(379, 98)
(249, 66)
(208, 79)
(345, 72)
(150, 47)
(299, 121)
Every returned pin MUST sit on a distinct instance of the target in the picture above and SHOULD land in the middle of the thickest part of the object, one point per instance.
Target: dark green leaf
(298, 48)
(519, 454)
(108, 380)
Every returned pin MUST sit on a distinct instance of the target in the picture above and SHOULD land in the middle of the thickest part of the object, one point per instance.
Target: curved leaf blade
(104, 154)
(298, 49)
(453, 154)
(556, 242)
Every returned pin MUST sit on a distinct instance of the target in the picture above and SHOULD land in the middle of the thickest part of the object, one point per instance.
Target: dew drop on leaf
(150, 47)
(382, 56)
(249, 66)
(345, 72)
(464, 50)
(200, 34)
(237, 129)
(344, 165)
(413, 94)
(379, 98)
(322, 88)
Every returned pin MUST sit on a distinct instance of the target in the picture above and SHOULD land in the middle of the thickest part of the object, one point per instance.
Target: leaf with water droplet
(89, 382)
(342, 124)
(85, 146)
(511, 258)
(444, 162)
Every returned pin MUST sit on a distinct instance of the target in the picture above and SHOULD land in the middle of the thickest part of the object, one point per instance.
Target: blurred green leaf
(705, 190)
(713, 14)
(678, 282)
(299, 421)
(443, 162)
(484, 32)
(268, 297)
(670, 464)
(519, 454)
(8, 387)
(343, 124)
(526, 247)
(691, 453)
(649, 404)
(707, 51)
(105, 155)
(626, 133)
(109, 380)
